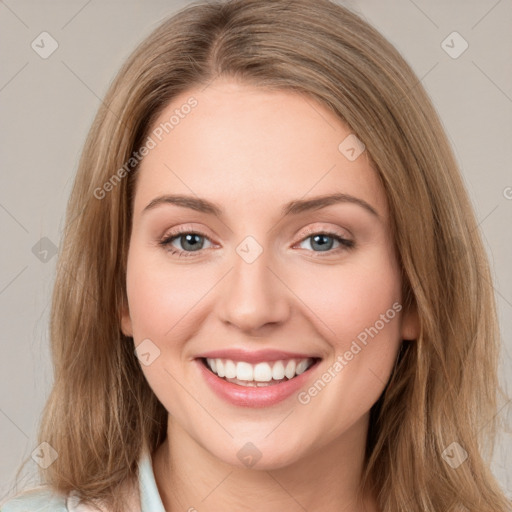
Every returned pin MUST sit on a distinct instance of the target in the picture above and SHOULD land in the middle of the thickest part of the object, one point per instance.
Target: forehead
(240, 144)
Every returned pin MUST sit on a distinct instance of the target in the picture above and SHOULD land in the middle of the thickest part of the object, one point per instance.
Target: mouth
(271, 373)
(262, 384)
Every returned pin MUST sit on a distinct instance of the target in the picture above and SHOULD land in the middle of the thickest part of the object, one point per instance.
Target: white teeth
(260, 372)
(230, 369)
(290, 369)
(220, 367)
(301, 367)
(212, 364)
(244, 371)
(278, 370)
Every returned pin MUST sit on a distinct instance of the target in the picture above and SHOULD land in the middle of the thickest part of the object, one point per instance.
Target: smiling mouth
(261, 374)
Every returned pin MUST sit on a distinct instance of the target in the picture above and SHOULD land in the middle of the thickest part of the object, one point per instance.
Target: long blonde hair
(101, 412)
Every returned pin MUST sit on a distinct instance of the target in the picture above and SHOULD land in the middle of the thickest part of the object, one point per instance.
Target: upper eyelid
(175, 232)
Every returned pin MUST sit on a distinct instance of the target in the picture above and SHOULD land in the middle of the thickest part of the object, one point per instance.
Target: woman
(284, 301)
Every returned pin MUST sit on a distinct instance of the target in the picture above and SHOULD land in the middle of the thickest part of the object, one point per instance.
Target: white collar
(150, 500)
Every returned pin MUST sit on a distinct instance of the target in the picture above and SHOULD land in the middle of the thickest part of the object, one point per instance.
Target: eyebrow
(292, 208)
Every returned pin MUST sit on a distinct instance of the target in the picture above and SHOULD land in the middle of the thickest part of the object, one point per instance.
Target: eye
(193, 241)
(324, 240)
(190, 240)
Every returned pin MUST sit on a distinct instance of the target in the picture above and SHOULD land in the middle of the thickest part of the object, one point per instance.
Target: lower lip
(248, 396)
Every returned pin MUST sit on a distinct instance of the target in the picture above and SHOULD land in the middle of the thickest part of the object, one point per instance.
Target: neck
(189, 478)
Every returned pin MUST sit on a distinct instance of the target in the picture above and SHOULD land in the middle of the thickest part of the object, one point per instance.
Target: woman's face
(261, 286)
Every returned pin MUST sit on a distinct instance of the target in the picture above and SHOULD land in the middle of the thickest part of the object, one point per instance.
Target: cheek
(361, 307)
(161, 301)
(349, 299)
(161, 297)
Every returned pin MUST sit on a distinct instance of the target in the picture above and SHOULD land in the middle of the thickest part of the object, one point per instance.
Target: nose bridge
(253, 296)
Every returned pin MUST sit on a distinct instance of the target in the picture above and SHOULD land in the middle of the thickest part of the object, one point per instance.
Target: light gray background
(48, 105)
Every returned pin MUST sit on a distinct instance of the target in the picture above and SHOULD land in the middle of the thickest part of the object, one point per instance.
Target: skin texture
(251, 151)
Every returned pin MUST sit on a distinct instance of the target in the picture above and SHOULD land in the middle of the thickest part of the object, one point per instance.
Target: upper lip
(254, 356)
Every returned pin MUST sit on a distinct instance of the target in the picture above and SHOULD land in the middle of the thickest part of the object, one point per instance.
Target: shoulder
(45, 499)
(36, 500)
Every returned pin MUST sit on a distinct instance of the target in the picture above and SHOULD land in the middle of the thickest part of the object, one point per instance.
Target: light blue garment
(48, 501)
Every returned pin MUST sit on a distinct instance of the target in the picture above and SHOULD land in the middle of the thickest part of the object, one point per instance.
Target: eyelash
(345, 244)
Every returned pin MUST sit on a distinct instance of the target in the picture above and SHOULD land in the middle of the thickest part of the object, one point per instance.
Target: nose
(255, 296)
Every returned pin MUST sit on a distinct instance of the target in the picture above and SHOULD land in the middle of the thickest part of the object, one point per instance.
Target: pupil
(188, 238)
(323, 244)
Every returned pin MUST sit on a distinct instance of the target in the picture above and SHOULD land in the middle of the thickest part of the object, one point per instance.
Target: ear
(125, 320)
(410, 324)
